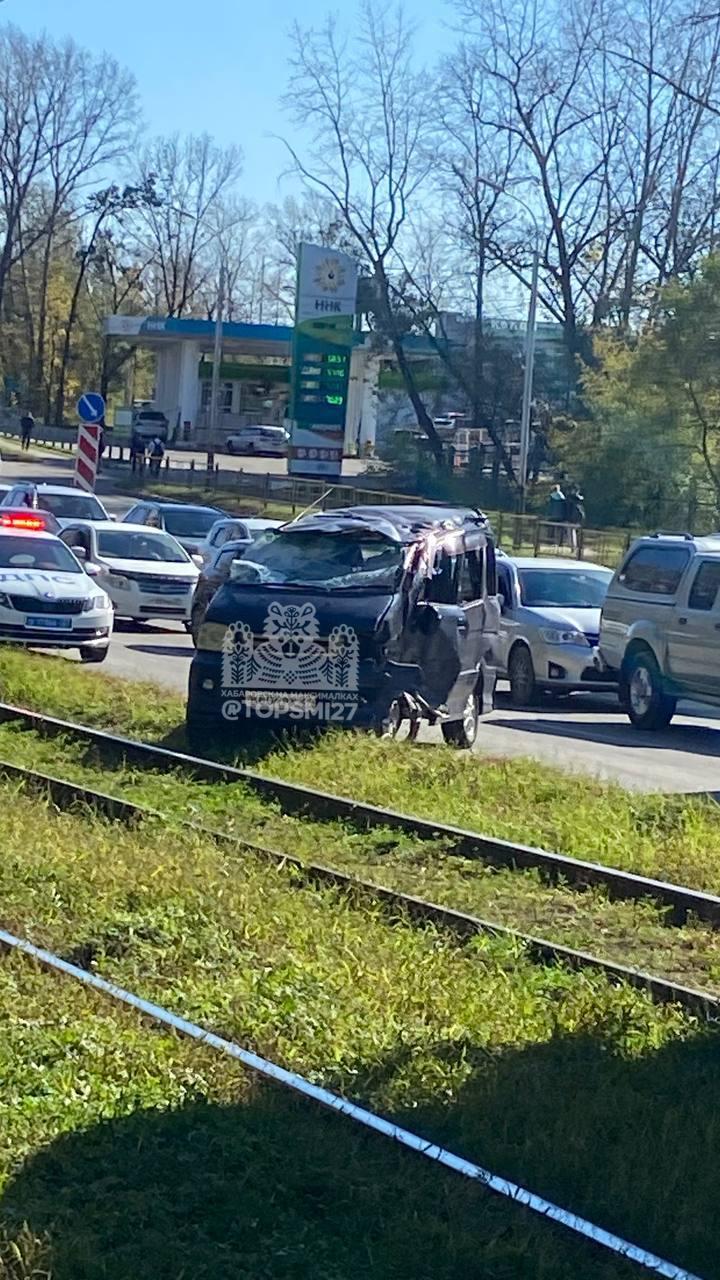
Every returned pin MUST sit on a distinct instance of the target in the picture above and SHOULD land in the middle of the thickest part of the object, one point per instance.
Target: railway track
(397, 905)
(293, 798)
(423, 1147)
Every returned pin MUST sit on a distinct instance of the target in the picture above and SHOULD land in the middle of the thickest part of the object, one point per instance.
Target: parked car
(188, 523)
(258, 440)
(46, 598)
(234, 529)
(365, 616)
(214, 573)
(62, 500)
(149, 422)
(549, 626)
(659, 633)
(146, 572)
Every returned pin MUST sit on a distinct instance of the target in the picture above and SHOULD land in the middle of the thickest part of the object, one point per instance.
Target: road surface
(587, 734)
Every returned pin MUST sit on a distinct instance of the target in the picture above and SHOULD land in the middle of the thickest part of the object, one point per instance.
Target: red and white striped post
(87, 455)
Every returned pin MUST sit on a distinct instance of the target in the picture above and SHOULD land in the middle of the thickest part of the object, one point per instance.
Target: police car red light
(23, 522)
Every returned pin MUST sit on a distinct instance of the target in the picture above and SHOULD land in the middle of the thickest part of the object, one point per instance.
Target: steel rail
(460, 924)
(378, 1124)
(295, 798)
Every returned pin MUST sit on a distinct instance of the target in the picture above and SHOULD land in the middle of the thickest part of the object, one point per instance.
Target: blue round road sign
(91, 407)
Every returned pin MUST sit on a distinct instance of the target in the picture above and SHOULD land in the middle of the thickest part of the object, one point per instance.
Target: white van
(258, 440)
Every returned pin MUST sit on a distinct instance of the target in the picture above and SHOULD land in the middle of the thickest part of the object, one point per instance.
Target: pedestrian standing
(157, 453)
(558, 513)
(574, 513)
(137, 452)
(27, 426)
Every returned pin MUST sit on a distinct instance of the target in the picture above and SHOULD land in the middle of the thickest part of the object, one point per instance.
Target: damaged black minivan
(366, 616)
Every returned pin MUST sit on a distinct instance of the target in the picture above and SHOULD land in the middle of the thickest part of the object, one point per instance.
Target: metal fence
(517, 534)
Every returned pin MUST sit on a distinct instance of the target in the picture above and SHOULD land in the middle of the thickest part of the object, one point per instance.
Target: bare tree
(93, 118)
(193, 177)
(369, 113)
(475, 164)
(103, 207)
(26, 103)
(541, 61)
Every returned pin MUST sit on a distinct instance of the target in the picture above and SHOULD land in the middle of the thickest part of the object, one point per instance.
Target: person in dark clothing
(157, 453)
(27, 424)
(574, 513)
(137, 452)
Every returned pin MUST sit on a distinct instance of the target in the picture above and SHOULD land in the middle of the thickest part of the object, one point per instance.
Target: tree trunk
(38, 380)
(65, 358)
(390, 328)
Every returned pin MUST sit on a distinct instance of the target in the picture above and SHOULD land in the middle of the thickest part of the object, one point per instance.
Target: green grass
(672, 837)
(128, 1154)
(628, 932)
(587, 1093)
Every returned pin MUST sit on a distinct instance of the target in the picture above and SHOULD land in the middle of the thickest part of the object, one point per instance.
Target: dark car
(214, 573)
(187, 523)
(366, 616)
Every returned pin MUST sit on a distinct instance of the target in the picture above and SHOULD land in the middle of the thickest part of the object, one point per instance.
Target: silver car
(549, 626)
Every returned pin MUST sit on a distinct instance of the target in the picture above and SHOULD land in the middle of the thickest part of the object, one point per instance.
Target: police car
(47, 599)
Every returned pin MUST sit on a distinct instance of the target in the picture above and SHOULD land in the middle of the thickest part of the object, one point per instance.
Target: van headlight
(551, 636)
(212, 636)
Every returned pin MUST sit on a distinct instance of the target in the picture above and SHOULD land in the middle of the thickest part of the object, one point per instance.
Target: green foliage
(652, 436)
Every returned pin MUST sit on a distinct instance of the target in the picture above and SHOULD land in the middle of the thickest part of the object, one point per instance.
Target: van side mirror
(80, 554)
(92, 570)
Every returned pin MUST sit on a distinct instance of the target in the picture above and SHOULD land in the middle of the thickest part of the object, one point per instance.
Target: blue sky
(218, 67)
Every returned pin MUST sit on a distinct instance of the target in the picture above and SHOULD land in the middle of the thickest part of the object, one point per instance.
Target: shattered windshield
(323, 561)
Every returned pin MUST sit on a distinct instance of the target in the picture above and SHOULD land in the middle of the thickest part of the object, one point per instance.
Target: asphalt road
(587, 734)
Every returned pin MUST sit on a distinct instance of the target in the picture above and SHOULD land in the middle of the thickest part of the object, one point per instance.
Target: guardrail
(520, 534)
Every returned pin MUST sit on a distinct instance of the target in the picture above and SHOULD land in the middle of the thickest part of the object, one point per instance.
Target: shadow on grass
(277, 1189)
(250, 748)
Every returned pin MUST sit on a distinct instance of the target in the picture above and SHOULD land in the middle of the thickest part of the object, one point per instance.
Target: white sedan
(64, 501)
(48, 600)
(146, 572)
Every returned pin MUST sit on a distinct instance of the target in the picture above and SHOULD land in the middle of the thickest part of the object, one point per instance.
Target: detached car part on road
(47, 599)
(549, 626)
(660, 626)
(365, 616)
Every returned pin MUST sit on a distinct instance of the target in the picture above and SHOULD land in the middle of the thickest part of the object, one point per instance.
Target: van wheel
(648, 706)
(463, 733)
(521, 673)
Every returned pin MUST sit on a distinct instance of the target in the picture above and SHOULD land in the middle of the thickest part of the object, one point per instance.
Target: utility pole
(261, 310)
(217, 361)
(528, 378)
